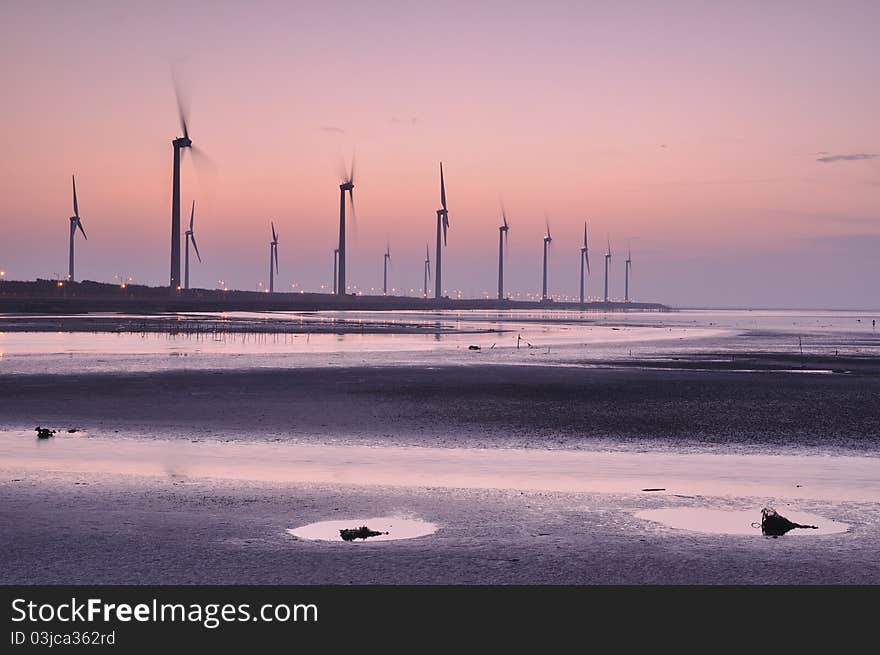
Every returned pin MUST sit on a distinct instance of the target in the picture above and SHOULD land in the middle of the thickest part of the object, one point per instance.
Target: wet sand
(481, 406)
(80, 520)
(68, 528)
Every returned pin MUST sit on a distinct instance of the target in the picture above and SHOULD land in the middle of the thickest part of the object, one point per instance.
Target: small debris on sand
(774, 524)
(350, 534)
(474, 348)
(44, 433)
(72, 430)
(654, 489)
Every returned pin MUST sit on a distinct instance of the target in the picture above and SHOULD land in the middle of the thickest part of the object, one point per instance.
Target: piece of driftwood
(44, 433)
(774, 524)
(350, 534)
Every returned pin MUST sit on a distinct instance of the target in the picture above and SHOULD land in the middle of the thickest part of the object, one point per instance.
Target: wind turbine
(347, 185)
(629, 264)
(179, 143)
(335, 263)
(585, 259)
(607, 259)
(190, 236)
(75, 223)
(502, 241)
(273, 254)
(386, 259)
(427, 269)
(442, 221)
(547, 240)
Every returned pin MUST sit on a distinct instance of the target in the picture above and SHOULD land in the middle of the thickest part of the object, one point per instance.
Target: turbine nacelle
(182, 142)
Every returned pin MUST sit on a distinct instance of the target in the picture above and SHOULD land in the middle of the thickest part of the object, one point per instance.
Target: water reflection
(386, 528)
(736, 522)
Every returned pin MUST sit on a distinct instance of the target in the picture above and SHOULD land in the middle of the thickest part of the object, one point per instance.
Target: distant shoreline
(53, 297)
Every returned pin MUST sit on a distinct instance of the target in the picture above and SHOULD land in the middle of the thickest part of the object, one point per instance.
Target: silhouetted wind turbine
(75, 223)
(347, 185)
(335, 263)
(502, 240)
(427, 269)
(386, 259)
(585, 259)
(442, 221)
(190, 236)
(607, 259)
(547, 240)
(273, 255)
(629, 264)
(178, 143)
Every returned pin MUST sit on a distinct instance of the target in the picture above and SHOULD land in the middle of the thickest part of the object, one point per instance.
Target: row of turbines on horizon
(339, 262)
(340, 286)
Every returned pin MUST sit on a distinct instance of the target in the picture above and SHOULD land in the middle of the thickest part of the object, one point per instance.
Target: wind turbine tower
(335, 263)
(502, 241)
(347, 185)
(585, 259)
(607, 260)
(442, 222)
(190, 236)
(75, 223)
(273, 256)
(629, 264)
(427, 270)
(547, 241)
(386, 259)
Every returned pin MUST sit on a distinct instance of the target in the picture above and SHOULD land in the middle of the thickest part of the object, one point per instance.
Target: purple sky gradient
(733, 145)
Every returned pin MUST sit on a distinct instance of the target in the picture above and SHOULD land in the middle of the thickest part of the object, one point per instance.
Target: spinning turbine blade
(80, 226)
(75, 205)
(274, 235)
(192, 216)
(442, 188)
(586, 249)
(182, 110)
(204, 165)
(195, 247)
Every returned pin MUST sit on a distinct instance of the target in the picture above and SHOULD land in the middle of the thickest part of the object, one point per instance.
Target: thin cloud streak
(856, 157)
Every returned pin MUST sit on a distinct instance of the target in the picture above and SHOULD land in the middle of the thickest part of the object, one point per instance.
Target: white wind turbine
(75, 223)
(190, 237)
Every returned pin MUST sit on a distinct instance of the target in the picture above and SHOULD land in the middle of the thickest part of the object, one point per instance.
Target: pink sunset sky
(734, 146)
